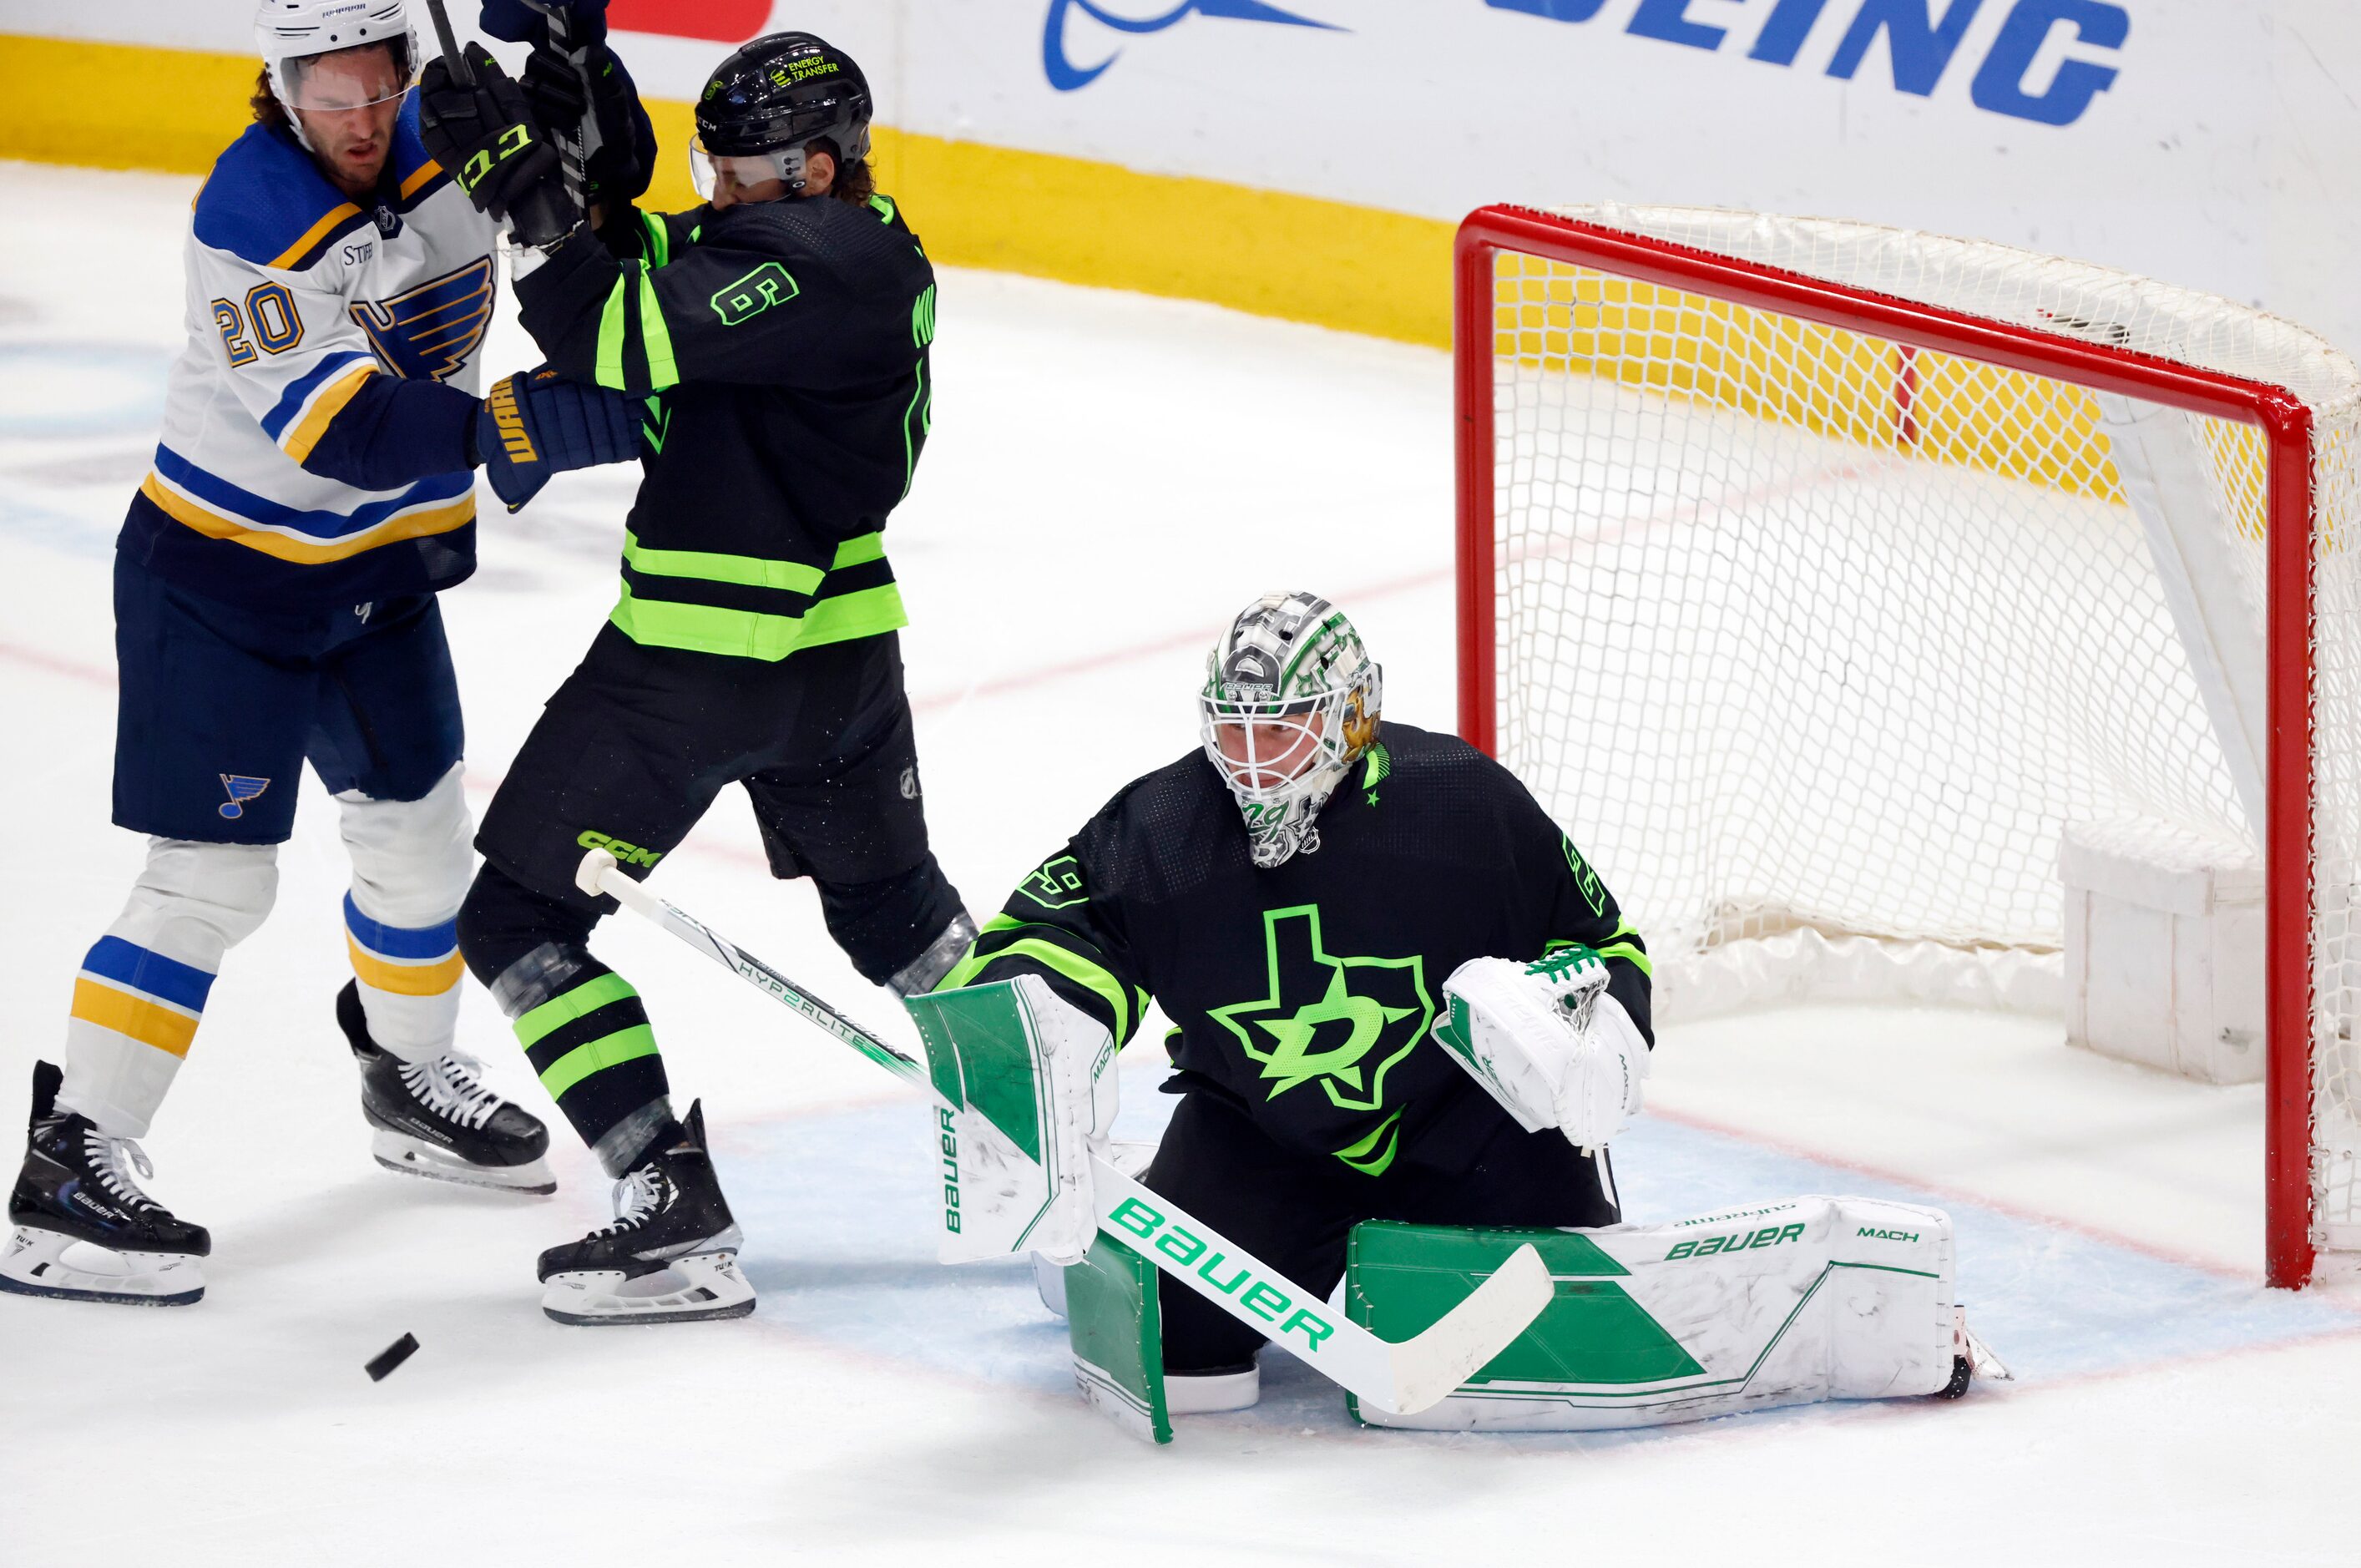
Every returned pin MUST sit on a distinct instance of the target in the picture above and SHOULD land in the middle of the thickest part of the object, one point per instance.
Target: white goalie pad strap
(1548, 1043)
(1779, 1304)
(1029, 1087)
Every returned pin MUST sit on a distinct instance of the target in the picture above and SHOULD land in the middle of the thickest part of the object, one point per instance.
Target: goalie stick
(1402, 1378)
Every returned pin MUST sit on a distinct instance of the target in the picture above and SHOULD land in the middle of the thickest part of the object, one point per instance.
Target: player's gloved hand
(485, 136)
(1547, 1042)
(623, 150)
(517, 23)
(536, 423)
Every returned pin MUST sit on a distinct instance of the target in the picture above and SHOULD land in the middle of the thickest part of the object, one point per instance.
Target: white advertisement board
(2209, 142)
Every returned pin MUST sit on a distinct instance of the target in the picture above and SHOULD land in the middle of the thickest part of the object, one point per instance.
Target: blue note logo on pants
(1066, 76)
(242, 789)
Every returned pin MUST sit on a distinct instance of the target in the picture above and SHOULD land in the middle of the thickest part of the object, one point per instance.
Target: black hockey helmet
(784, 90)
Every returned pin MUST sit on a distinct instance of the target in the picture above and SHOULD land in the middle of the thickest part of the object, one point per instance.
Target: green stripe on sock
(568, 1005)
(609, 1051)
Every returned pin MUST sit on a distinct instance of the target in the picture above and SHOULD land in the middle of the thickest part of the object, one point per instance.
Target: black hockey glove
(485, 136)
(586, 20)
(536, 423)
(619, 169)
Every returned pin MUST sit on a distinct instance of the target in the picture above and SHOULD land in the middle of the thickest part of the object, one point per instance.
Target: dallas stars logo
(1342, 1022)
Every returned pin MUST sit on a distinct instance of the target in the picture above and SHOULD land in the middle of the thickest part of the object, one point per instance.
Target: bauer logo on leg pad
(1769, 1235)
(625, 854)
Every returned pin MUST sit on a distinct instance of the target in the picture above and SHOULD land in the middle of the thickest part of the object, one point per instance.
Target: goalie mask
(1290, 701)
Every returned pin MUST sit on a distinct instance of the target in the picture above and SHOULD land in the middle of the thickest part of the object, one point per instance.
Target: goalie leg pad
(1780, 1304)
(1116, 1336)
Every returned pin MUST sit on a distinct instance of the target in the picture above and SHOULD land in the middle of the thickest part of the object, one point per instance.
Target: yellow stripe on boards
(134, 1018)
(299, 442)
(1355, 269)
(404, 979)
(216, 525)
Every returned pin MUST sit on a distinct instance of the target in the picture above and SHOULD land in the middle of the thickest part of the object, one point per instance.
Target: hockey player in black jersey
(778, 336)
(1400, 993)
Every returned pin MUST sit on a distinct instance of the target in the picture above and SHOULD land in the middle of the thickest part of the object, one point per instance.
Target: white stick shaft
(1401, 1380)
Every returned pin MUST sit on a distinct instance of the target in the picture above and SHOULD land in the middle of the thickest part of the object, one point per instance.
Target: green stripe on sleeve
(1062, 960)
(608, 1050)
(608, 372)
(662, 370)
(659, 239)
(566, 1006)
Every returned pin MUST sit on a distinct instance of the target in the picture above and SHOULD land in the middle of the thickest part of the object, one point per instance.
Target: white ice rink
(1109, 479)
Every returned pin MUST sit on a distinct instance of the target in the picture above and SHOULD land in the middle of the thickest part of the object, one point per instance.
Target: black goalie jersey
(1303, 994)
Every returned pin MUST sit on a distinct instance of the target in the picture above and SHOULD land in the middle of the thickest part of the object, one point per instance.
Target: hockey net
(1821, 576)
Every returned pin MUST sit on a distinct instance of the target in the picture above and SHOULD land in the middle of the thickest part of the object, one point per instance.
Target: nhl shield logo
(242, 789)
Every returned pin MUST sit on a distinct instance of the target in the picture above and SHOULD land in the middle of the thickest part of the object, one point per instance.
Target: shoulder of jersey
(267, 203)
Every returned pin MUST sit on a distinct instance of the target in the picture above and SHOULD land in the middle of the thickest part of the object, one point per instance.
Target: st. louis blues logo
(242, 789)
(428, 333)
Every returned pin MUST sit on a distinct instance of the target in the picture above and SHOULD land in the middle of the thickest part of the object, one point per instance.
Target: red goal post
(1491, 307)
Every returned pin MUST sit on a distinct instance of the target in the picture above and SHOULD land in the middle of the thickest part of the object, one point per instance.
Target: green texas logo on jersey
(1342, 1022)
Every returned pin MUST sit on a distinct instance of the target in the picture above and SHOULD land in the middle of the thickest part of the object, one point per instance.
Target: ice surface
(1109, 477)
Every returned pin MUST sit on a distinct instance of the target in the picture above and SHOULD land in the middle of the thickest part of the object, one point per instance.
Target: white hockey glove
(1548, 1043)
(1028, 1086)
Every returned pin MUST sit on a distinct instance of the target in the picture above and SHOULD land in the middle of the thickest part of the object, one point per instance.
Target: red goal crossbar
(2286, 426)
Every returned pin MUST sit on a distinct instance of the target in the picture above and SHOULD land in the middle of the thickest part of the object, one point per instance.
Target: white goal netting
(1818, 642)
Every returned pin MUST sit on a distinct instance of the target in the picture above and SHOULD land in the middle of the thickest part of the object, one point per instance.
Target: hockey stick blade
(1399, 1378)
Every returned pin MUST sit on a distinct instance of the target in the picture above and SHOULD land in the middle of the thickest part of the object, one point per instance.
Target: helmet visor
(347, 79)
(709, 171)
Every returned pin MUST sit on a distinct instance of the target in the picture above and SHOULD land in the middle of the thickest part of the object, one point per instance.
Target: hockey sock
(142, 986)
(410, 866)
(582, 1024)
(890, 925)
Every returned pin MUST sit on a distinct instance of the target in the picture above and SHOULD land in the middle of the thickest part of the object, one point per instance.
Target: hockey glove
(485, 136)
(1548, 1043)
(536, 423)
(624, 148)
(517, 23)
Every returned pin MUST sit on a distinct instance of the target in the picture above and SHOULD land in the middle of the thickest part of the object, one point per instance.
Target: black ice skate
(671, 1257)
(437, 1119)
(84, 1229)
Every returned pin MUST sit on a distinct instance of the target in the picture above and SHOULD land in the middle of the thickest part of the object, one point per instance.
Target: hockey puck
(392, 1356)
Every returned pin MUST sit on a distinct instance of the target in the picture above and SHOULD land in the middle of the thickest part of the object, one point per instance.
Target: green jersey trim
(608, 1050)
(749, 634)
(711, 566)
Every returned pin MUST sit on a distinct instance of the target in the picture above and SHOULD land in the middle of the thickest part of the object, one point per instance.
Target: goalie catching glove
(1028, 1086)
(1547, 1041)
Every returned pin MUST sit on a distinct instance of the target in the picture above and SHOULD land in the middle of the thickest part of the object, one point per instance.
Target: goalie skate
(83, 1230)
(437, 1118)
(671, 1255)
(1971, 1358)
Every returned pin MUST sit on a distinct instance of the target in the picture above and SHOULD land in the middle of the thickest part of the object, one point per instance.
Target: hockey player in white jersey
(274, 593)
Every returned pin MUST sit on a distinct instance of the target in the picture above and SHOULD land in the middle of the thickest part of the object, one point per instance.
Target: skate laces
(109, 1163)
(448, 1087)
(638, 1197)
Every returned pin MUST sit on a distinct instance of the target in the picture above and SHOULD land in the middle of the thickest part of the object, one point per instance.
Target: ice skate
(84, 1229)
(1971, 1358)
(437, 1118)
(671, 1255)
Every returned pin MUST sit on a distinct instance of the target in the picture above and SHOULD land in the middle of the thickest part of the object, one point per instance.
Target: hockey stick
(1399, 1378)
(575, 145)
(453, 56)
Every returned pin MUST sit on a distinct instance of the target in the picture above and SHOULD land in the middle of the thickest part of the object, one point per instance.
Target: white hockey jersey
(297, 297)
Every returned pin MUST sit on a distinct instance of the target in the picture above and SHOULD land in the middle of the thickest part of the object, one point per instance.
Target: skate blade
(44, 1263)
(414, 1157)
(694, 1290)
